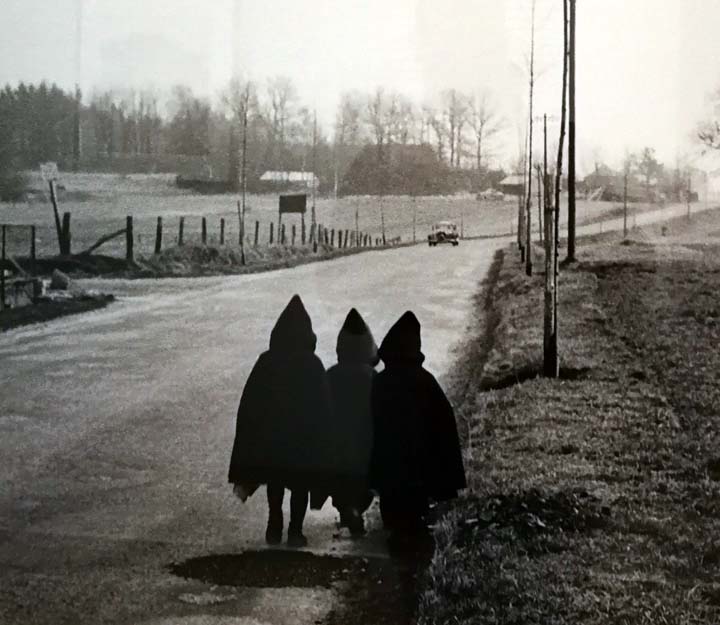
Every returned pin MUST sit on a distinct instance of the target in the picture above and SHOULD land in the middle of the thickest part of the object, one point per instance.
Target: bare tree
(348, 131)
(649, 168)
(400, 118)
(708, 131)
(434, 120)
(280, 110)
(455, 110)
(376, 116)
(240, 100)
(484, 122)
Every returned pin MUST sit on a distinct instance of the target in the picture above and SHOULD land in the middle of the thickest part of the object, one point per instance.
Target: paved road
(116, 428)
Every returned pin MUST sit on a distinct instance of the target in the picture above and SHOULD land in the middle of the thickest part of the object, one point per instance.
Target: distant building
(290, 179)
(514, 184)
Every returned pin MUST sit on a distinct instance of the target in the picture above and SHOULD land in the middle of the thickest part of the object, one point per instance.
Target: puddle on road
(271, 568)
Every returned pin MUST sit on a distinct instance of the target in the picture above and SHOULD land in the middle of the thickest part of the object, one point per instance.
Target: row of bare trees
(137, 128)
(460, 126)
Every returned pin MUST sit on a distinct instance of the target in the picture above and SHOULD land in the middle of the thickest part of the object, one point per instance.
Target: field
(99, 203)
(594, 498)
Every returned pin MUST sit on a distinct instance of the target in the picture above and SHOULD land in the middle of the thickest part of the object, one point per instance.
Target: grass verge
(594, 498)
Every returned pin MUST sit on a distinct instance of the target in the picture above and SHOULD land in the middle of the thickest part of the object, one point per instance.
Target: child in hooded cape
(282, 424)
(416, 454)
(350, 384)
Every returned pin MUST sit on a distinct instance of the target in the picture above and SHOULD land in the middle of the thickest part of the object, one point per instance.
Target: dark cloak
(284, 416)
(416, 451)
(350, 385)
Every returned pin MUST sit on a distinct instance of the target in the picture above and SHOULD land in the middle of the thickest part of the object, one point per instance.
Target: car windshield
(445, 225)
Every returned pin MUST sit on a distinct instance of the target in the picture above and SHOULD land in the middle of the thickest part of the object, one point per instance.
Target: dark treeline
(430, 148)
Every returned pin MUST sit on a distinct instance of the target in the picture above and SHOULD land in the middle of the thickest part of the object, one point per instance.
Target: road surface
(116, 429)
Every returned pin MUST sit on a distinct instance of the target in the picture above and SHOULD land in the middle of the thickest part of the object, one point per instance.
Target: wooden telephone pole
(571, 139)
(313, 222)
(243, 170)
(528, 198)
(551, 359)
(77, 138)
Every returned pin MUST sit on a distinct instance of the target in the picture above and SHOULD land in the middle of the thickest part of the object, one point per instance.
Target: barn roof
(288, 176)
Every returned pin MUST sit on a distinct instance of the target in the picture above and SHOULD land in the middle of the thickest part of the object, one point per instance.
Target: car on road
(443, 232)
(491, 194)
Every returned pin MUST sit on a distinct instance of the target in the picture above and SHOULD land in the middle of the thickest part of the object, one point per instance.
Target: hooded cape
(284, 416)
(350, 384)
(416, 446)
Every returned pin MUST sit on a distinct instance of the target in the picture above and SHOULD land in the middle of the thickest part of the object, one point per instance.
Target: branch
(100, 241)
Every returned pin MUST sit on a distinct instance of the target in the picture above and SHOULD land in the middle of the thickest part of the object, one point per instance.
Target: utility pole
(313, 225)
(243, 170)
(551, 359)
(571, 140)
(625, 183)
(627, 169)
(688, 193)
(414, 201)
(77, 149)
(528, 198)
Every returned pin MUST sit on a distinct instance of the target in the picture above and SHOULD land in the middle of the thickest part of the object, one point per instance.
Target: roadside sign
(296, 203)
(49, 171)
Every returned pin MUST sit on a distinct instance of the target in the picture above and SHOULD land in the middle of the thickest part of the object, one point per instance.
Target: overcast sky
(644, 67)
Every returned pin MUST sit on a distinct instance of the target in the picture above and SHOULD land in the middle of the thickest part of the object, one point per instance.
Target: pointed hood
(355, 343)
(402, 342)
(293, 329)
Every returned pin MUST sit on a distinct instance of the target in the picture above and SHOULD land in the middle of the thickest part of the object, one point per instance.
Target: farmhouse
(288, 179)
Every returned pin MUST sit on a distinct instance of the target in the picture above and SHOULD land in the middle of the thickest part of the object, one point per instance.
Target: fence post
(158, 236)
(293, 235)
(56, 214)
(332, 237)
(129, 252)
(203, 234)
(345, 241)
(327, 237)
(302, 230)
(66, 236)
(222, 230)
(272, 227)
(257, 232)
(282, 234)
(181, 231)
(2, 271)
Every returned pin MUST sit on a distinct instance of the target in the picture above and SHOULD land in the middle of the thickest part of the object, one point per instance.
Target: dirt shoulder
(48, 309)
(594, 498)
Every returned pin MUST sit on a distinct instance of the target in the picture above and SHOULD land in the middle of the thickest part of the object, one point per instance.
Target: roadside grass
(594, 498)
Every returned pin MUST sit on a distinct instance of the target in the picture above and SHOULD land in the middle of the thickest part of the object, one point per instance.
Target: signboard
(49, 171)
(296, 203)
